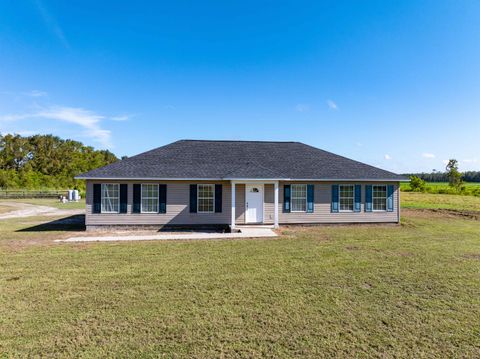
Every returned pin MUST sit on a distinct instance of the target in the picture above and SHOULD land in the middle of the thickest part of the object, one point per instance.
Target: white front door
(253, 203)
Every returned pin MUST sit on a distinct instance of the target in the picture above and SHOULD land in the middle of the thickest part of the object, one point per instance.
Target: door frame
(262, 185)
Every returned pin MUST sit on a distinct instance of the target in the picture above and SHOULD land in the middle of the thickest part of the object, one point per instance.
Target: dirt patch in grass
(472, 256)
(5, 209)
(352, 248)
(428, 213)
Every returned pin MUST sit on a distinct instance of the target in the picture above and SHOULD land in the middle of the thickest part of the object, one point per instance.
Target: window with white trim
(346, 197)
(299, 197)
(110, 198)
(379, 197)
(149, 203)
(206, 198)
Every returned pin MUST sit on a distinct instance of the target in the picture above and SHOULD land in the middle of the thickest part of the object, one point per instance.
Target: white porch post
(275, 211)
(232, 226)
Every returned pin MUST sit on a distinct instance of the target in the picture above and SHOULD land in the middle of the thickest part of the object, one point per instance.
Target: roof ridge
(254, 141)
(249, 163)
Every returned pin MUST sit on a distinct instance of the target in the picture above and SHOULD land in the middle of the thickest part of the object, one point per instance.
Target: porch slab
(244, 233)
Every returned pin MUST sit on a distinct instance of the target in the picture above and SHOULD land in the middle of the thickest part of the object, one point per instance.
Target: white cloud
(302, 107)
(36, 93)
(120, 118)
(445, 162)
(52, 23)
(88, 120)
(332, 105)
(428, 155)
(13, 117)
(387, 157)
(470, 160)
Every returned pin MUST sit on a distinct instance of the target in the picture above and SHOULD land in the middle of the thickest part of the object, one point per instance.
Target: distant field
(406, 185)
(468, 188)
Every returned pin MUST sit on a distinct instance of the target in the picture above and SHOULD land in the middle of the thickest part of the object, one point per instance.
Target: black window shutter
(390, 190)
(193, 198)
(310, 198)
(368, 198)
(358, 198)
(137, 198)
(97, 198)
(218, 198)
(286, 198)
(335, 199)
(162, 198)
(123, 197)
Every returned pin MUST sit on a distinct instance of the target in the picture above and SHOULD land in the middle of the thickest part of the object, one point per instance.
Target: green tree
(454, 176)
(417, 184)
(47, 161)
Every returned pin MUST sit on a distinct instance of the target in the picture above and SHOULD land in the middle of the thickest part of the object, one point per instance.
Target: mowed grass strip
(439, 201)
(390, 291)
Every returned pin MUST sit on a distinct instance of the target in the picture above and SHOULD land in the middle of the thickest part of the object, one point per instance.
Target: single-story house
(234, 183)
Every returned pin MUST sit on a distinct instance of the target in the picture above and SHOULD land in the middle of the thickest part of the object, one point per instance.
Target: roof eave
(242, 179)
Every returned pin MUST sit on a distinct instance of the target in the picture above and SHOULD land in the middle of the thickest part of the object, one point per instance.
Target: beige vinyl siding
(178, 211)
(269, 204)
(178, 207)
(322, 207)
(239, 204)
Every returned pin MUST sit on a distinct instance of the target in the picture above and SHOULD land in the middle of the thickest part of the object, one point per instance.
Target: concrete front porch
(247, 232)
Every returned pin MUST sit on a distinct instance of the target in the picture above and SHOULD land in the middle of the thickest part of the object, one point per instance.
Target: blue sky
(392, 83)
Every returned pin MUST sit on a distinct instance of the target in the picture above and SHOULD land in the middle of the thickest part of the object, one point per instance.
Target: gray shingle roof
(194, 159)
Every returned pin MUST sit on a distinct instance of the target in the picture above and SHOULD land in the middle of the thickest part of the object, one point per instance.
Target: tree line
(468, 176)
(47, 162)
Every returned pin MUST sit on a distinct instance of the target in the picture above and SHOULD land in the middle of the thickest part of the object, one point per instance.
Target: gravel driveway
(29, 210)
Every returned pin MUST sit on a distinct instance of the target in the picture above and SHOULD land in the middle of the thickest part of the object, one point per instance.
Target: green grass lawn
(440, 201)
(348, 291)
(50, 202)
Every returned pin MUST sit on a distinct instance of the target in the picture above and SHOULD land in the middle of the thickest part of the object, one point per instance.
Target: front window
(379, 198)
(346, 197)
(206, 198)
(149, 198)
(299, 197)
(110, 198)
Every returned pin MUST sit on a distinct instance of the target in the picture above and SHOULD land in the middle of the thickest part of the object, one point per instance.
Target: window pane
(346, 197)
(379, 198)
(150, 198)
(299, 197)
(205, 197)
(110, 197)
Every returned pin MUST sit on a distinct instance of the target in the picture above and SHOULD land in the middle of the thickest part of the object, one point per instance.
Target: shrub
(417, 184)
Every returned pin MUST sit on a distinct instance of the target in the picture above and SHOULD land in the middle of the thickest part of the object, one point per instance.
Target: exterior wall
(322, 207)
(269, 204)
(178, 212)
(239, 204)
